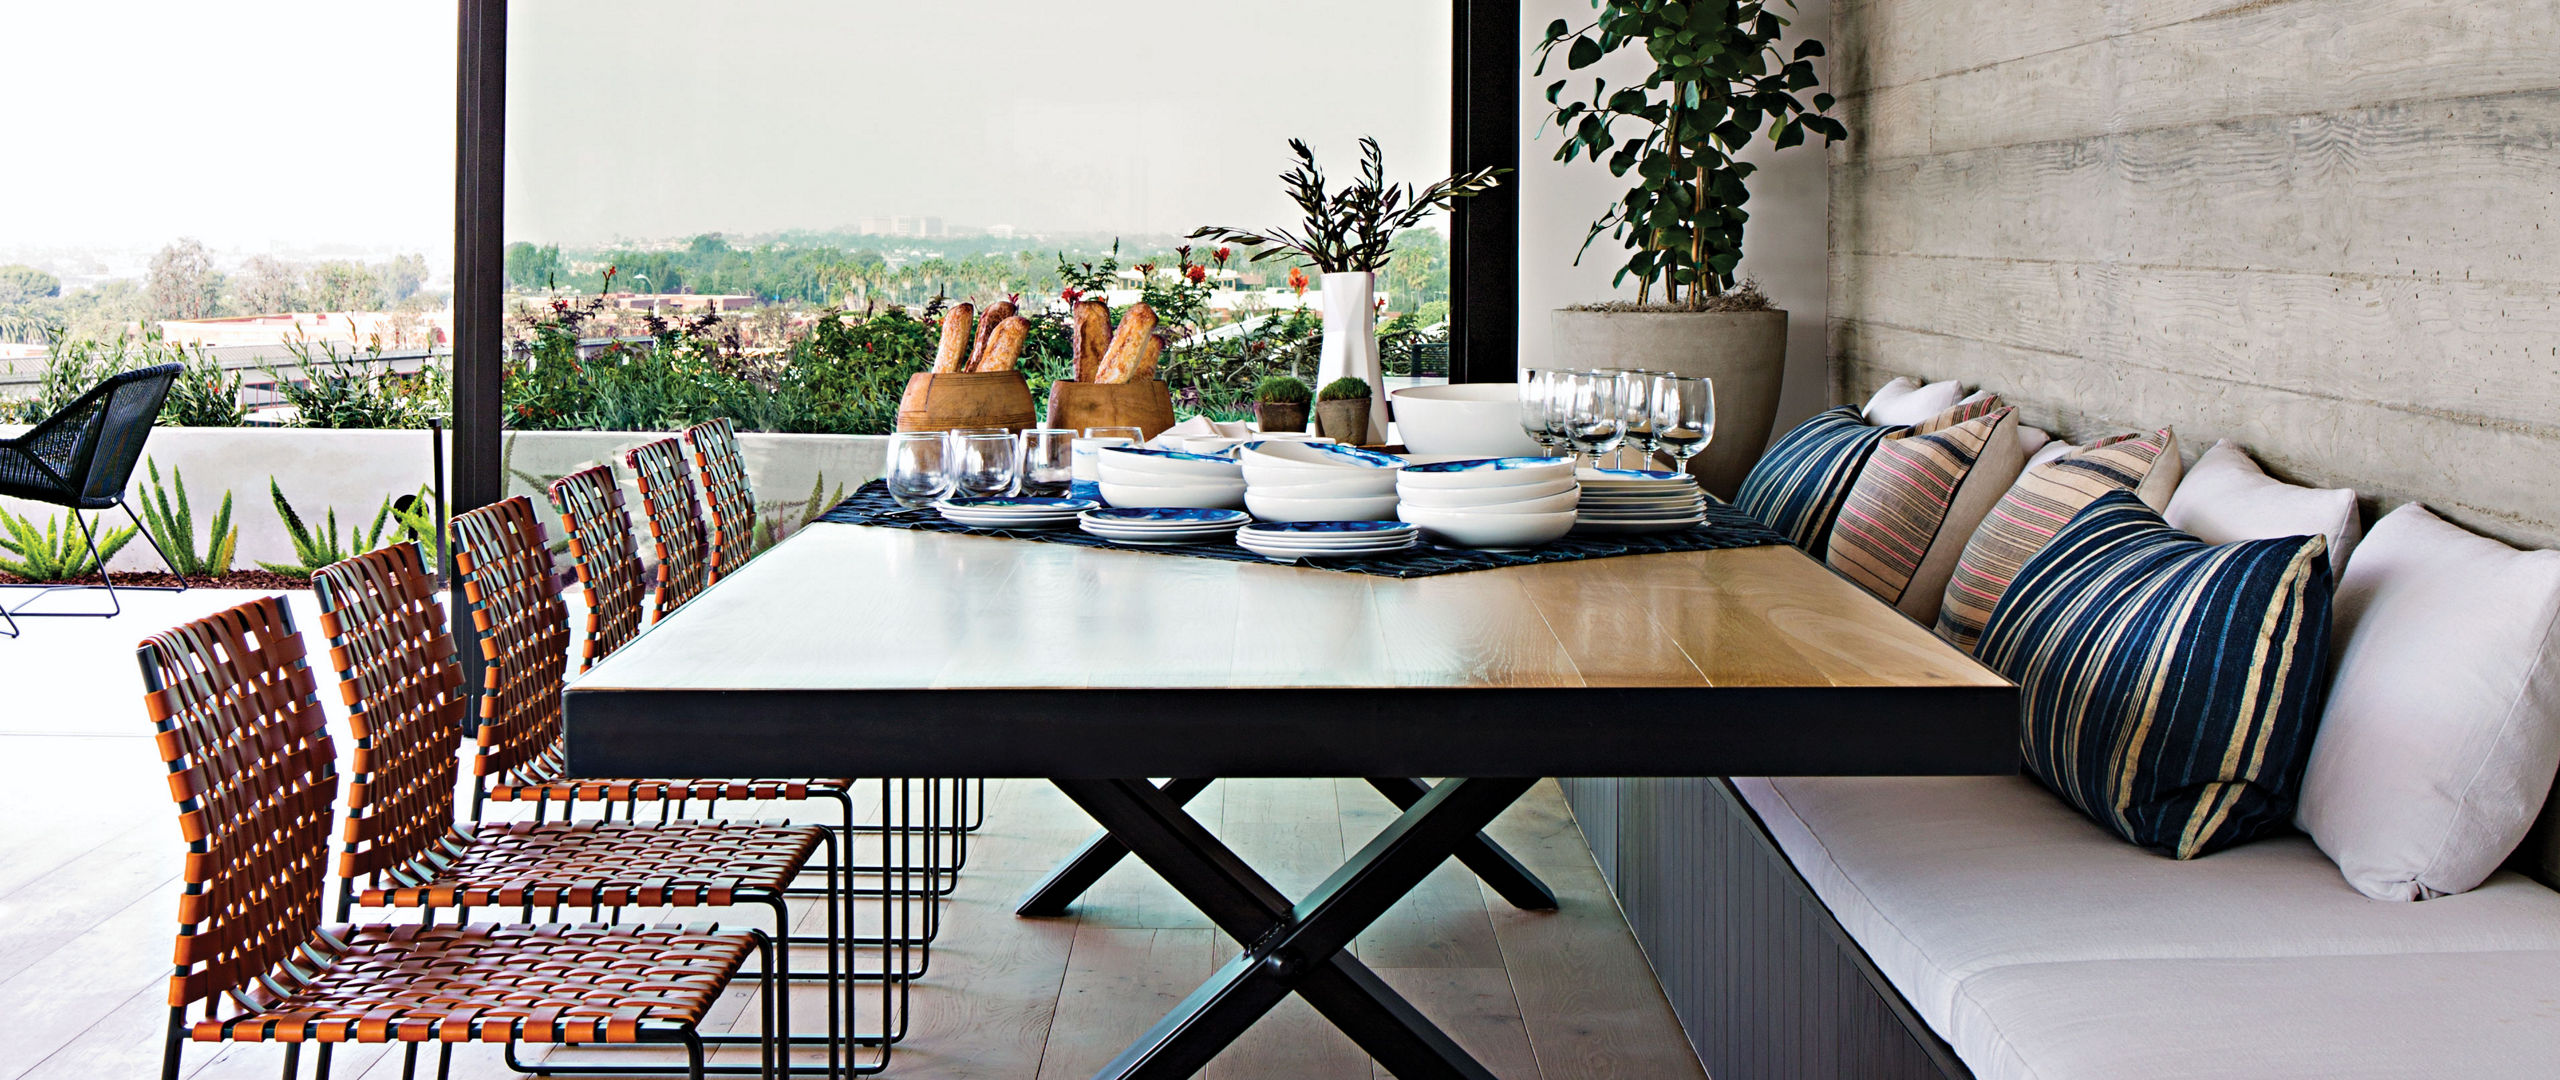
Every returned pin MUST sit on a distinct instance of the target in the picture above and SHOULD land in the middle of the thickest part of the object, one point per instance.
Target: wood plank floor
(89, 857)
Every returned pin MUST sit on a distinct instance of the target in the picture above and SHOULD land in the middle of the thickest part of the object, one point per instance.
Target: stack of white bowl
(1139, 476)
(1304, 481)
(1507, 502)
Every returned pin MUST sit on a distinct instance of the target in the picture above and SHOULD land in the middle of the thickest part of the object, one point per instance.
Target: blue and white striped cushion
(2169, 687)
(1798, 486)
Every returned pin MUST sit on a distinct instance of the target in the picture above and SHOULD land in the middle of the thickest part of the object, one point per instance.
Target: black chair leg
(145, 530)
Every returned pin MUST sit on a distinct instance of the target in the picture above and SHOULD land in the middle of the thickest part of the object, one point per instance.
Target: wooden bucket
(1146, 406)
(966, 399)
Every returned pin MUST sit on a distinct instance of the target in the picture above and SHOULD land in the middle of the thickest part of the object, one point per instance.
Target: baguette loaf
(956, 325)
(1090, 324)
(995, 314)
(1004, 345)
(1120, 361)
(1144, 370)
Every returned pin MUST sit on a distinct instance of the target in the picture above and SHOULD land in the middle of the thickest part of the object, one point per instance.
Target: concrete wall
(351, 472)
(1782, 247)
(2328, 230)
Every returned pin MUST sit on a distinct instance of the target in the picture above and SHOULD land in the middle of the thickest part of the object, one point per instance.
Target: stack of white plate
(1289, 541)
(1141, 476)
(1639, 501)
(1509, 502)
(1161, 525)
(1310, 481)
(1014, 512)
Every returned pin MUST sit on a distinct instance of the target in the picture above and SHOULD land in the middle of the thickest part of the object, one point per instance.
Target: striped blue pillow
(1797, 488)
(2169, 687)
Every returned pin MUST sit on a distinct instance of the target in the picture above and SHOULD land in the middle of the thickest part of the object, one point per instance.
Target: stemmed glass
(1594, 421)
(1684, 417)
(1635, 395)
(1048, 460)
(919, 468)
(986, 465)
(1537, 409)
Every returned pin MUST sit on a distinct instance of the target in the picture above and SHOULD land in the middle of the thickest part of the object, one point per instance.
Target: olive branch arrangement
(1352, 229)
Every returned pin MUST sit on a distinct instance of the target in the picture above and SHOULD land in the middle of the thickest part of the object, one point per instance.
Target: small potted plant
(1280, 403)
(1342, 410)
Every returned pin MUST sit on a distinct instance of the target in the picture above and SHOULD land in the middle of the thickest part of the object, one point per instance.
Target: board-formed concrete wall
(2328, 229)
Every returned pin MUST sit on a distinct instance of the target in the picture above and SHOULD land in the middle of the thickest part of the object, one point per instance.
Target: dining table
(851, 650)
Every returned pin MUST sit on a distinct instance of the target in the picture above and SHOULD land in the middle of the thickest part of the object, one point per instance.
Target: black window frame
(1484, 234)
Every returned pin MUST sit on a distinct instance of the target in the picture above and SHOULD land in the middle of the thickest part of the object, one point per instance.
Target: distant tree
(267, 285)
(532, 267)
(183, 283)
(402, 276)
(708, 244)
(22, 283)
(340, 285)
(101, 312)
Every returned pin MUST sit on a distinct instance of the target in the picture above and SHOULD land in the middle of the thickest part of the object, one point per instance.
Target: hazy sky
(646, 118)
(300, 125)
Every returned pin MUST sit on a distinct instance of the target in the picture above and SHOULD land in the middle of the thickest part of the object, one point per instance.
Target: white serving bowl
(1495, 472)
(1321, 483)
(1271, 507)
(1208, 496)
(1133, 461)
(1462, 418)
(1461, 498)
(1310, 457)
(1467, 528)
(1545, 504)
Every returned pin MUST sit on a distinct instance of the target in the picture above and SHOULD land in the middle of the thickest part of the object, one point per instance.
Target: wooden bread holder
(942, 401)
(1146, 406)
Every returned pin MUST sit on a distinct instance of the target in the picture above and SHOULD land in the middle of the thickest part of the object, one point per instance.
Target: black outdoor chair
(81, 458)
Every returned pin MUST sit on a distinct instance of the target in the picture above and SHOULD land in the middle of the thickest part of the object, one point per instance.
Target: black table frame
(1050, 898)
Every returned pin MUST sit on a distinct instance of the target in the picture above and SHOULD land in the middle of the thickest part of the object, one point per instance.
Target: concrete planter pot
(1745, 352)
(1280, 415)
(1344, 420)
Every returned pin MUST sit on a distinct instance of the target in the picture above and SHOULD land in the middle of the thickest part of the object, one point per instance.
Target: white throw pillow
(2443, 723)
(2226, 498)
(2032, 440)
(1904, 401)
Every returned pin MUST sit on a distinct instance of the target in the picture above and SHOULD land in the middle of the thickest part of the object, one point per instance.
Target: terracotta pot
(1745, 352)
(1344, 420)
(1280, 416)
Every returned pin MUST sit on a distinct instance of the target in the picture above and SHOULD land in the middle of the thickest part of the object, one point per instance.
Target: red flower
(1070, 294)
(1222, 253)
(1195, 273)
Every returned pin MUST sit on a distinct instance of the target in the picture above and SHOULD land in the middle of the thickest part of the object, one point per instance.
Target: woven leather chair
(231, 700)
(675, 524)
(503, 564)
(81, 458)
(727, 497)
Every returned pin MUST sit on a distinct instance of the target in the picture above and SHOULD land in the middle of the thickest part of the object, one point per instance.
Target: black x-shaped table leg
(1293, 947)
(1049, 899)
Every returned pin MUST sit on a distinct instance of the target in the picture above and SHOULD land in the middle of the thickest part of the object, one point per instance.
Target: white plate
(1269, 506)
(1487, 496)
(1203, 496)
(1461, 528)
(1486, 472)
(1052, 521)
(1594, 502)
(1625, 528)
(1547, 504)
(1162, 536)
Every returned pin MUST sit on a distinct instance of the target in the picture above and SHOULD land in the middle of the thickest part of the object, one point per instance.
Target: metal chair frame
(82, 458)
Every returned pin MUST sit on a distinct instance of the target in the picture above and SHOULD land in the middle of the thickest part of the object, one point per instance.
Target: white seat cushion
(1944, 880)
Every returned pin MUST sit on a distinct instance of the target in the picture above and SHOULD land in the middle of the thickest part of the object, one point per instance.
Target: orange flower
(1298, 279)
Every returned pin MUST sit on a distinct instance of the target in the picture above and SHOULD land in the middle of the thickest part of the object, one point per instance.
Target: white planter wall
(353, 471)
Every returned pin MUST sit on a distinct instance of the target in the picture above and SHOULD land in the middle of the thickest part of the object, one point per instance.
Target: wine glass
(1684, 417)
(1537, 409)
(1048, 460)
(1135, 436)
(919, 468)
(1635, 395)
(987, 465)
(1594, 421)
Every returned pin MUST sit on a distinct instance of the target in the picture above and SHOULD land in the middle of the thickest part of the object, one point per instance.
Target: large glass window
(692, 191)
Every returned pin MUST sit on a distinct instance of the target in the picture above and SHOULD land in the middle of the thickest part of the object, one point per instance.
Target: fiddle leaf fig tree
(1719, 78)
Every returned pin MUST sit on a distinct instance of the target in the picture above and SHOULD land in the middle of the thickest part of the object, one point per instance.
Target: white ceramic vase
(1351, 340)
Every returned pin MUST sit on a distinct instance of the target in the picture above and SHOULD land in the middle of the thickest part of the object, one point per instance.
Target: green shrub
(1281, 390)
(313, 549)
(1346, 388)
(173, 526)
(353, 390)
(55, 552)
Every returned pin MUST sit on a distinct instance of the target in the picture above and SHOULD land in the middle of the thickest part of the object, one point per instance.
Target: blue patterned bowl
(1291, 454)
(1165, 515)
(1331, 527)
(1486, 472)
(1017, 502)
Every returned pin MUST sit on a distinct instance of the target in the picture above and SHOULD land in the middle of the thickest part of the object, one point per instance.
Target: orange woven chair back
(730, 500)
(666, 500)
(405, 705)
(253, 773)
(608, 560)
(502, 561)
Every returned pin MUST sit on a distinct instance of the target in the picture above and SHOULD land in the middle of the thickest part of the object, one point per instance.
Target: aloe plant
(173, 525)
(55, 552)
(318, 548)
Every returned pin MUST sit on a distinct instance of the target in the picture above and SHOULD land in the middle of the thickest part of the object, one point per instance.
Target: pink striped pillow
(1917, 501)
(2041, 503)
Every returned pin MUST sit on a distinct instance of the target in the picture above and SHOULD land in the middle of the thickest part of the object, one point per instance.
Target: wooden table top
(848, 635)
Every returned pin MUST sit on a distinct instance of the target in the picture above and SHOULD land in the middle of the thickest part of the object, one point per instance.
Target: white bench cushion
(1946, 881)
